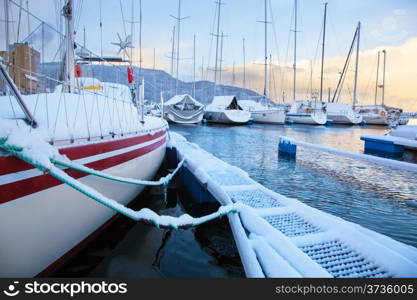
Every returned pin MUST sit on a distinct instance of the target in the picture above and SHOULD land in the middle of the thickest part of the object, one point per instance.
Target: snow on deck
(397, 140)
(282, 237)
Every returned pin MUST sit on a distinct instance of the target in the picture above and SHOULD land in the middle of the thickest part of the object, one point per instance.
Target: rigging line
(211, 40)
(284, 77)
(123, 18)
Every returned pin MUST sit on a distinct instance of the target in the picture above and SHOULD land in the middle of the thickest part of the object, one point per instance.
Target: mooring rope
(46, 164)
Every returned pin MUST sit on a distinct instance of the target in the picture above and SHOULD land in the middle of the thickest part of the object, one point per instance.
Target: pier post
(287, 147)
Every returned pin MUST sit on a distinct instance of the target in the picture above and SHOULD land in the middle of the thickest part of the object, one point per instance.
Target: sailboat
(183, 109)
(309, 111)
(381, 114)
(224, 109)
(264, 112)
(45, 222)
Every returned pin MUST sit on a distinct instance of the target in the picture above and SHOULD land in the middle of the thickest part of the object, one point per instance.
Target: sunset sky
(386, 24)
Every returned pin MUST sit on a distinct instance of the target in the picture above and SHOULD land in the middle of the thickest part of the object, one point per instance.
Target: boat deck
(278, 236)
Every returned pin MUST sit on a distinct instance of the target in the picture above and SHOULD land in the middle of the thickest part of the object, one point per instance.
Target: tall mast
(266, 49)
(202, 68)
(219, 3)
(383, 77)
(132, 30)
(233, 74)
(221, 58)
(6, 12)
(140, 40)
(322, 52)
(377, 78)
(295, 50)
(244, 65)
(355, 87)
(172, 55)
(178, 45)
(154, 77)
(193, 93)
(172, 51)
(67, 12)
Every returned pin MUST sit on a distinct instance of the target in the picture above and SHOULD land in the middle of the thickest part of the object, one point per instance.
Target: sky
(386, 24)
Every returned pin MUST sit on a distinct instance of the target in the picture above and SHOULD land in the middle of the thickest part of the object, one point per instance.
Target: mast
(69, 79)
(172, 55)
(265, 21)
(154, 77)
(172, 51)
(322, 52)
(140, 40)
(7, 30)
(244, 65)
(295, 50)
(355, 88)
(383, 77)
(193, 93)
(377, 75)
(178, 45)
(219, 3)
(221, 58)
(233, 74)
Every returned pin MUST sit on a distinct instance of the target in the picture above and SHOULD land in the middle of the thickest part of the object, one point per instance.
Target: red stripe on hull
(11, 164)
(14, 190)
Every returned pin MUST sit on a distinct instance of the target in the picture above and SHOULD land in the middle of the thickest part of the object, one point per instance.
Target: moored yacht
(263, 114)
(183, 109)
(311, 112)
(341, 113)
(226, 109)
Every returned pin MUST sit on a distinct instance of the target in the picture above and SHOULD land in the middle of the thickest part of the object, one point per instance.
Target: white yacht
(308, 112)
(341, 113)
(225, 109)
(264, 114)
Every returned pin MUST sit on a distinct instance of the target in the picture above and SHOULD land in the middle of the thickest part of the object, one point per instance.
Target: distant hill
(155, 82)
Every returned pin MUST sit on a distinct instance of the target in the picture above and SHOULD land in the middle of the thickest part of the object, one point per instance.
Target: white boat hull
(310, 119)
(39, 231)
(228, 116)
(178, 119)
(343, 119)
(269, 116)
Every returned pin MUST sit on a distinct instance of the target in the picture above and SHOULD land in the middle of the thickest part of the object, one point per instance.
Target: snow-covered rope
(44, 164)
(400, 165)
(70, 164)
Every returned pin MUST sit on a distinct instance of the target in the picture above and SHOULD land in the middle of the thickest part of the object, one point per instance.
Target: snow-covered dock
(386, 143)
(282, 237)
